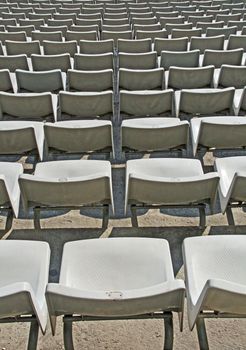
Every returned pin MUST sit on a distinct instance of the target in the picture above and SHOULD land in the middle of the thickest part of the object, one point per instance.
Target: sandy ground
(173, 225)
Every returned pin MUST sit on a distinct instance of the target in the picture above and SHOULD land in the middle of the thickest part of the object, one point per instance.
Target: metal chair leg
(105, 216)
(168, 324)
(37, 224)
(68, 334)
(33, 336)
(134, 218)
(202, 214)
(9, 220)
(202, 334)
(229, 215)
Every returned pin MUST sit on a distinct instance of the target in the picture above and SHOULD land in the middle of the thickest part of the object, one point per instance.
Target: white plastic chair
(136, 282)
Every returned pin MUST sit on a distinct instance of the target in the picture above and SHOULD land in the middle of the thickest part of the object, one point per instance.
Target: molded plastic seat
(179, 59)
(27, 47)
(50, 36)
(134, 46)
(190, 78)
(236, 42)
(186, 33)
(202, 102)
(26, 106)
(215, 279)
(146, 79)
(22, 288)
(96, 47)
(17, 36)
(6, 84)
(68, 184)
(218, 132)
(9, 190)
(169, 182)
(101, 80)
(180, 44)
(136, 278)
(232, 184)
(14, 62)
(79, 105)
(138, 60)
(93, 61)
(44, 81)
(80, 136)
(226, 31)
(51, 62)
(230, 75)
(212, 43)
(219, 57)
(58, 48)
(89, 35)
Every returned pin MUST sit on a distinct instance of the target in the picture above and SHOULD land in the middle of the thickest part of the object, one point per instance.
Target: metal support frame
(200, 206)
(229, 213)
(37, 213)
(33, 332)
(166, 316)
(201, 327)
(180, 151)
(9, 218)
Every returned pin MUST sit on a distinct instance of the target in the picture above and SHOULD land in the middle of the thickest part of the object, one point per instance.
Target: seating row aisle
(136, 282)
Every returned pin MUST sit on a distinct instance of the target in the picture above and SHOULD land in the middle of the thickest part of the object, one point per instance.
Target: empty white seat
(79, 105)
(80, 136)
(10, 191)
(136, 279)
(215, 280)
(232, 171)
(169, 182)
(68, 184)
(43, 81)
(26, 106)
(23, 289)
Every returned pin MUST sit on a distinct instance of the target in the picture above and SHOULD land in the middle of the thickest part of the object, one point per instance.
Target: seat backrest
(138, 60)
(134, 46)
(14, 62)
(57, 48)
(96, 47)
(89, 35)
(45, 81)
(141, 79)
(205, 25)
(212, 43)
(236, 42)
(51, 36)
(170, 26)
(105, 35)
(17, 36)
(5, 81)
(50, 62)
(187, 33)
(144, 103)
(143, 34)
(168, 20)
(219, 57)
(26, 47)
(227, 31)
(85, 104)
(93, 62)
(180, 58)
(232, 76)
(190, 78)
(170, 45)
(78, 80)
(26, 106)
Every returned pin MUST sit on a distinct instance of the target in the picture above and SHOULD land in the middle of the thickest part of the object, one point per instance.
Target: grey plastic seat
(59, 22)
(170, 45)
(37, 23)
(44, 81)
(96, 47)
(219, 57)
(51, 29)
(136, 280)
(80, 136)
(241, 108)
(151, 34)
(23, 106)
(27, 29)
(78, 80)
(190, 78)
(205, 102)
(239, 24)
(168, 20)
(14, 62)
(23, 289)
(50, 36)
(236, 42)
(215, 280)
(232, 76)
(179, 59)
(89, 35)
(217, 133)
(115, 36)
(93, 61)
(5, 81)
(147, 79)
(226, 31)
(10, 193)
(205, 25)
(51, 62)
(57, 48)
(81, 105)
(17, 36)
(170, 26)
(227, 18)
(134, 46)
(70, 184)
(116, 28)
(204, 43)
(232, 184)
(27, 47)
(138, 60)
(187, 33)
(171, 182)
(198, 19)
